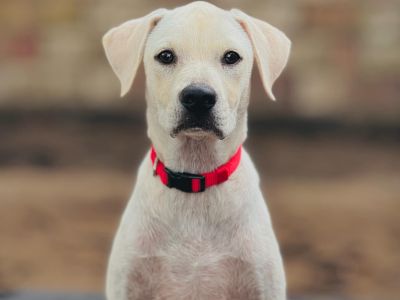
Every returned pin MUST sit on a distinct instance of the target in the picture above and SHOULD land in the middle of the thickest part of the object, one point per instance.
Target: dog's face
(198, 60)
(198, 64)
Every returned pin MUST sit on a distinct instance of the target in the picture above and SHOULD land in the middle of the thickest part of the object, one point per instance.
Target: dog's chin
(197, 133)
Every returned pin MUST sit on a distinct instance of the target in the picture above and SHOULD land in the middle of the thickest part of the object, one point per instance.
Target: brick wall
(345, 61)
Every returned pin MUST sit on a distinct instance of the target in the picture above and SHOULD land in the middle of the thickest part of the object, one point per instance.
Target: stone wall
(345, 62)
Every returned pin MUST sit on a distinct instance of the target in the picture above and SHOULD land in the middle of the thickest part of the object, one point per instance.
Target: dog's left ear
(271, 48)
(124, 46)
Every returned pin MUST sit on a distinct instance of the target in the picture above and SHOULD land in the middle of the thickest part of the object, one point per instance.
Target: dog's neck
(196, 156)
(186, 154)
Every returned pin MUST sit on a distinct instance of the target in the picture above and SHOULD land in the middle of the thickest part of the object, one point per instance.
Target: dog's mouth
(197, 129)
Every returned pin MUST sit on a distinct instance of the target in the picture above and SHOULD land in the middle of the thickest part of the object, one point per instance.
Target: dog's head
(198, 61)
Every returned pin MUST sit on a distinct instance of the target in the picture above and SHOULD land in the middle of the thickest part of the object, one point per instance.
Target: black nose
(198, 99)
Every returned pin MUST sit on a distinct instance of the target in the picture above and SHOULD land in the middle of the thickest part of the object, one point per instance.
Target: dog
(196, 226)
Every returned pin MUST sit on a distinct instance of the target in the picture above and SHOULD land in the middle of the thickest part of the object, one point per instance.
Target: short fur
(218, 244)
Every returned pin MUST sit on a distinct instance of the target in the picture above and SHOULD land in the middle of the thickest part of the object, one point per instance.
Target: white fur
(218, 244)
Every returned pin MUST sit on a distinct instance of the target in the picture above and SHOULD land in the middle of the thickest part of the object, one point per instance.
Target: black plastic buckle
(183, 181)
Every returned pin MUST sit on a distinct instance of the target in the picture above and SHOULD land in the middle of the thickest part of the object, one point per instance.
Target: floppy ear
(124, 46)
(271, 48)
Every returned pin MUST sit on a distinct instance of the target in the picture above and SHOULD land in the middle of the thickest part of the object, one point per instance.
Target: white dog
(196, 226)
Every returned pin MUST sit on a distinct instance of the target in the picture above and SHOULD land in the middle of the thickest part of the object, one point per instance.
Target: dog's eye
(231, 57)
(166, 57)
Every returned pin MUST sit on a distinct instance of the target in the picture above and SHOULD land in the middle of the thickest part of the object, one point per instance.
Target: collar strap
(194, 183)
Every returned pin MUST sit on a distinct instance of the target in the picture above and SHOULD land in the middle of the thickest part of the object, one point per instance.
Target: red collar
(194, 183)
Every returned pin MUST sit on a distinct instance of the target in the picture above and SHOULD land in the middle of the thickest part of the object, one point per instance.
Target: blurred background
(328, 150)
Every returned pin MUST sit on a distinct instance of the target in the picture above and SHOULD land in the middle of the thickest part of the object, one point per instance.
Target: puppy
(196, 226)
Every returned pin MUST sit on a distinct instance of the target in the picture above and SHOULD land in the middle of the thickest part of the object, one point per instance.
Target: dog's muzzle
(197, 113)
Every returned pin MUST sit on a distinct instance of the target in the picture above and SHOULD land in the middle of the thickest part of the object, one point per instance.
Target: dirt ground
(334, 200)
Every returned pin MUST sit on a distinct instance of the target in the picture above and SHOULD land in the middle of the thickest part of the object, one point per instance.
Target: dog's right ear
(124, 46)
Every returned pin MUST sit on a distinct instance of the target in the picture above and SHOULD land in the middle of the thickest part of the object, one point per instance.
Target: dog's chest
(192, 268)
(191, 247)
